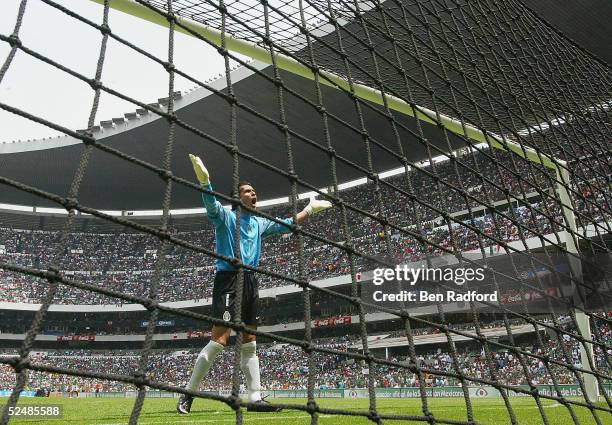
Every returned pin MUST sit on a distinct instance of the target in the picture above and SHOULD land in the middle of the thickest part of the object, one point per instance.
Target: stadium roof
(114, 183)
(586, 22)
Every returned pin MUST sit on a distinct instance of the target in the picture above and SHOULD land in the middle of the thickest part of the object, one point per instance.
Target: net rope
(495, 65)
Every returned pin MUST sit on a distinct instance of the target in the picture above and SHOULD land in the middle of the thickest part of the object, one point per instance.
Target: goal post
(582, 321)
(252, 50)
(463, 129)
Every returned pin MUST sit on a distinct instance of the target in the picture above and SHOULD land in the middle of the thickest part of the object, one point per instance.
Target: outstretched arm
(214, 209)
(269, 227)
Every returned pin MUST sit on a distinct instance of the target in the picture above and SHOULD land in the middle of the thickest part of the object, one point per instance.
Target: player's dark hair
(240, 184)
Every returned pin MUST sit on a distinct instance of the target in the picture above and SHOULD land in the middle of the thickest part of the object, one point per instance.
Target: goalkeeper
(253, 230)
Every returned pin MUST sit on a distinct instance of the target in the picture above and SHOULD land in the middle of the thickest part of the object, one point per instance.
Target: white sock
(249, 363)
(203, 363)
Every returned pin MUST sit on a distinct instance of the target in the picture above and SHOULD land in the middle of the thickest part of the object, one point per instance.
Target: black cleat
(184, 404)
(263, 406)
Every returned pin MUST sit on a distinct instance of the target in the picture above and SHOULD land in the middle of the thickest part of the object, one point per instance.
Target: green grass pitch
(116, 411)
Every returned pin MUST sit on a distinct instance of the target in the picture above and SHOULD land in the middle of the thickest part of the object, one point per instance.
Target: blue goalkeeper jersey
(252, 230)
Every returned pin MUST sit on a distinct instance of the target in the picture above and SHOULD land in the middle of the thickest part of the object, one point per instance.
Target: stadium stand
(285, 366)
(125, 261)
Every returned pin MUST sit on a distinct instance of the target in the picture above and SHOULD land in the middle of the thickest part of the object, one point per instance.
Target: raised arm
(269, 227)
(315, 206)
(214, 209)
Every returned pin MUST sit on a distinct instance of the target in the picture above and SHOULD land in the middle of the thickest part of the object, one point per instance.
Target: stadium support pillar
(471, 133)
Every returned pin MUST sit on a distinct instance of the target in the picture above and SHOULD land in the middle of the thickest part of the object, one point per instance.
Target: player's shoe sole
(263, 406)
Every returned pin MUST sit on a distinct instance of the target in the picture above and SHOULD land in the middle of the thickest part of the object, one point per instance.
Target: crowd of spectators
(125, 262)
(285, 366)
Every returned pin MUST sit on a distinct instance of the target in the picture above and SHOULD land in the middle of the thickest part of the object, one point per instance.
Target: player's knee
(222, 339)
(248, 337)
(220, 335)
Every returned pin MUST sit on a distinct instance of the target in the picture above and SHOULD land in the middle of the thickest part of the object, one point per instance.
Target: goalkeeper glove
(316, 206)
(200, 170)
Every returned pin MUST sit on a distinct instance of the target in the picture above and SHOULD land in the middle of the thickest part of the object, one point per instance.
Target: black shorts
(224, 293)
